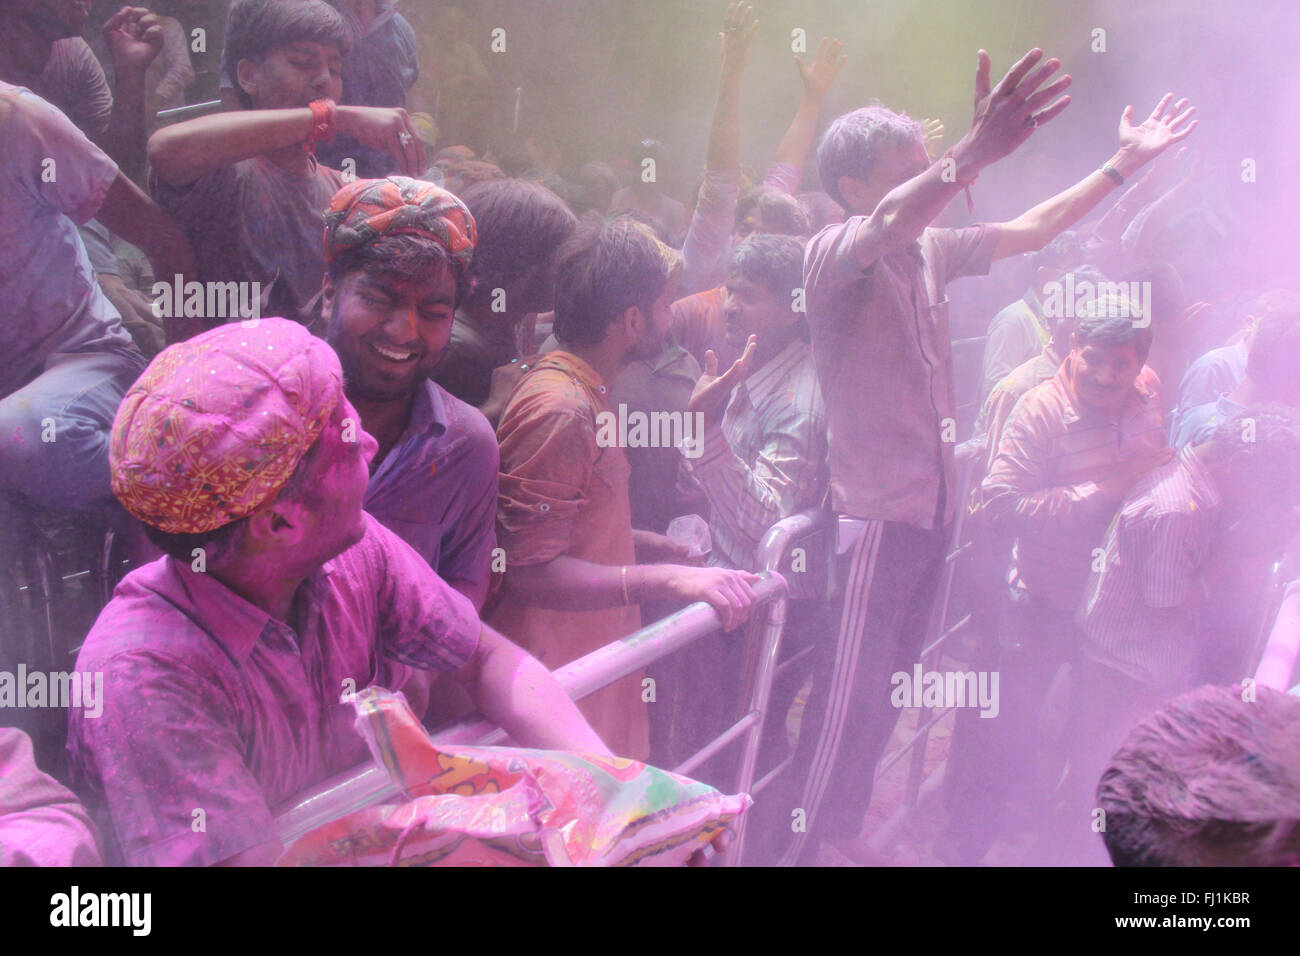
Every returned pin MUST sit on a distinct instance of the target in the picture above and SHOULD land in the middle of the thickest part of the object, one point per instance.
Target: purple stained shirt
(437, 487)
(211, 705)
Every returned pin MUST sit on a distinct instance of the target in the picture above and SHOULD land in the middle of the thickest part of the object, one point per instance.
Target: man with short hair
(1071, 450)
(521, 225)
(1211, 779)
(1270, 373)
(399, 251)
(572, 583)
(878, 314)
(245, 186)
(224, 661)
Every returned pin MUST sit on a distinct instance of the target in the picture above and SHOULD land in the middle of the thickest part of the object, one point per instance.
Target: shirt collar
(574, 367)
(428, 411)
(775, 371)
(234, 622)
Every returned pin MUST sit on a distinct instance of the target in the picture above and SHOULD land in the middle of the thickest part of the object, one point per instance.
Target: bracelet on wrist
(1113, 173)
(324, 117)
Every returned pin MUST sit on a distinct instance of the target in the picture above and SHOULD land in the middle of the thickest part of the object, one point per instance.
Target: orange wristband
(324, 113)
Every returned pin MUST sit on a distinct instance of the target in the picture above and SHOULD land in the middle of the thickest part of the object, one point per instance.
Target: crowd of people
(393, 464)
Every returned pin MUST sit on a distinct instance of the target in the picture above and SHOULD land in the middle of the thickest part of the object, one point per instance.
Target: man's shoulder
(143, 619)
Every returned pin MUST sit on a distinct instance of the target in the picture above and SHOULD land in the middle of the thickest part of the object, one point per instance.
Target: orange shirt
(561, 493)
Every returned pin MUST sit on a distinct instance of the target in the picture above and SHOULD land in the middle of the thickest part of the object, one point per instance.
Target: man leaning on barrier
(224, 661)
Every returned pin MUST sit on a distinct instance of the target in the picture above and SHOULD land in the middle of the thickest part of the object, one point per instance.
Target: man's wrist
(1125, 162)
(966, 162)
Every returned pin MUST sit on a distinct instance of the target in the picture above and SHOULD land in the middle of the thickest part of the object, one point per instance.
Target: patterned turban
(369, 209)
(216, 425)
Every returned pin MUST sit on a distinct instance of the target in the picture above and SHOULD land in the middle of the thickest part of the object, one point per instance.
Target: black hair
(521, 224)
(601, 273)
(256, 27)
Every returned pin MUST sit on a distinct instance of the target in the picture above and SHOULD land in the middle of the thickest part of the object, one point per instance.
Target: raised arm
(134, 37)
(1138, 145)
(817, 81)
(1005, 116)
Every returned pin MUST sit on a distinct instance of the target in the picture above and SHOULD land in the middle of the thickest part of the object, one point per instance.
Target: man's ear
(277, 526)
(246, 75)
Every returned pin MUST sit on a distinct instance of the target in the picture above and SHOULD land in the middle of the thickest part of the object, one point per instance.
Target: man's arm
(817, 82)
(184, 152)
(1138, 145)
(572, 584)
(513, 689)
(1005, 116)
(129, 213)
(711, 222)
(134, 37)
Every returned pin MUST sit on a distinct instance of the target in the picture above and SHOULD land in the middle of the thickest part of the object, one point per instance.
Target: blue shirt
(437, 487)
(1198, 423)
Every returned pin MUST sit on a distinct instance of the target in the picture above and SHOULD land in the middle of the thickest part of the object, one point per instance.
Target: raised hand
(1165, 126)
(387, 129)
(712, 390)
(738, 28)
(826, 65)
(1007, 114)
(134, 37)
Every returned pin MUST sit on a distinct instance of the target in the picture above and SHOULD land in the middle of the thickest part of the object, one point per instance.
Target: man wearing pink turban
(223, 662)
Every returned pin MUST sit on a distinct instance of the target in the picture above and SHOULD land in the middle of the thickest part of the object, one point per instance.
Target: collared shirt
(49, 298)
(1215, 373)
(564, 491)
(212, 705)
(767, 458)
(884, 360)
(1016, 335)
(437, 487)
(1155, 550)
(1042, 485)
(1197, 424)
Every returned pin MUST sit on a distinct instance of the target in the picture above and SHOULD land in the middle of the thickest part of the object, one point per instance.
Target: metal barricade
(368, 784)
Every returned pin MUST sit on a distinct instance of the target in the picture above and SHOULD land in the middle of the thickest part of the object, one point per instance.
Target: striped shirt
(1042, 485)
(1139, 611)
(767, 459)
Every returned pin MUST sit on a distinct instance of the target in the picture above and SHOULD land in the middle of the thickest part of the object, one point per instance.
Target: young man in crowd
(1211, 779)
(521, 225)
(572, 583)
(41, 48)
(878, 315)
(762, 458)
(399, 252)
(67, 359)
(1270, 373)
(1224, 503)
(245, 186)
(1071, 450)
(223, 662)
